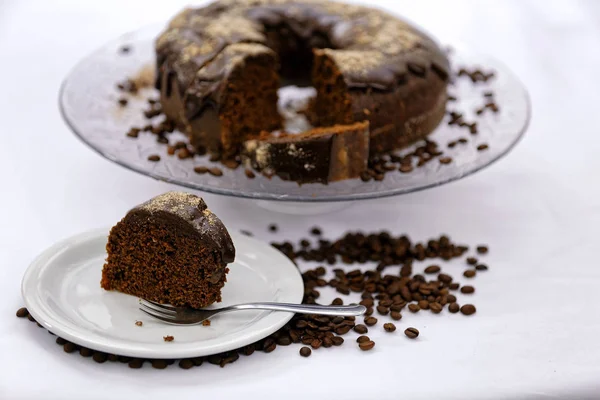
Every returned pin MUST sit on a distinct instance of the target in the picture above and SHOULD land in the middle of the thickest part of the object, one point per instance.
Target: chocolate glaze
(192, 212)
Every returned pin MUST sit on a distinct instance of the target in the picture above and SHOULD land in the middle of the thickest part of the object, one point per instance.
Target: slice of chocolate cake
(171, 249)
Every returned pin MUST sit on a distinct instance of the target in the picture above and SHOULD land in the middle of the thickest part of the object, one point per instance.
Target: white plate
(61, 289)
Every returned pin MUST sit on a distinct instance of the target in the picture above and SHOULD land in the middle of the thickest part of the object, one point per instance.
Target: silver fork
(191, 316)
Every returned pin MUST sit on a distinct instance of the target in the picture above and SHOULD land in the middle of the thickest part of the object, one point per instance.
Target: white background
(537, 328)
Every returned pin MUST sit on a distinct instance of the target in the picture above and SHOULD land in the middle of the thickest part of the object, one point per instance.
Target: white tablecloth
(536, 331)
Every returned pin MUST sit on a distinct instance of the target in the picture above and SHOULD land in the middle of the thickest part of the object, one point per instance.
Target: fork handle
(344, 311)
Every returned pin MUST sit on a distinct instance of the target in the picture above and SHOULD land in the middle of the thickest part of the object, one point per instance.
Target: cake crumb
(139, 323)
(168, 338)
(206, 322)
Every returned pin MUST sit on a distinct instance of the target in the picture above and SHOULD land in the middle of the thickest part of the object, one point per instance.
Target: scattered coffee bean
(99, 357)
(471, 260)
(215, 171)
(136, 363)
(249, 174)
(482, 249)
(468, 309)
(154, 158)
(383, 310)
(389, 327)
(30, 317)
(273, 228)
(411, 332)
(85, 352)
(337, 340)
(186, 363)
(200, 169)
(316, 231)
(361, 329)
(206, 322)
(362, 338)
(482, 147)
(269, 345)
(396, 316)
(445, 160)
(168, 338)
(453, 308)
(159, 364)
(435, 307)
(113, 357)
(467, 289)
(69, 347)
(413, 307)
(305, 351)
(337, 302)
(139, 323)
(60, 341)
(370, 321)
(368, 345)
(432, 269)
(123, 101)
(470, 273)
(481, 267)
(22, 312)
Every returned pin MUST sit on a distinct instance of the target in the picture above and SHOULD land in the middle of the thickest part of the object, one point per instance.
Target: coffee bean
(370, 321)
(305, 351)
(368, 345)
(168, 338)
(451, 298)
(453, 308)
(342, 330)
(269, 345)
(60, 341)
(411, 332)
(432, 269)
(413, 307)
(215, 171)
(471, 260)
(22, 312)
(113, 357)
(467, 289)
(284, 340)
(468, 309)
(186, 363)
(454, 286)
(337, 340)
(396, 316)
(445, 160)
(362, 339)
(337, 302)
(197, 361)
(482, 249)
(405, 168)
(369, 311)
(316, 343)
(470, 273)
(383, 310)
(273, 228)
(101, 357)
(154, 158)
(423, 304)
(361, 329)
(158, 364)
(337, 320)
(200, 169)
(481, 267)
(435, 308)
(85, 352)
(316, 231)
(445, 278)
(30, 317)
(69, 347)
(136, 363)
(482, 147)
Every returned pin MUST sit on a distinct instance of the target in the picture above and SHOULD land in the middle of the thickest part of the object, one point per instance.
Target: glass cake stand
(88, 102)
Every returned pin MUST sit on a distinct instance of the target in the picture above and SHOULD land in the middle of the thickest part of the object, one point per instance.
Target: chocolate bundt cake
(171, 249)
(219, 69)
(319, 155)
